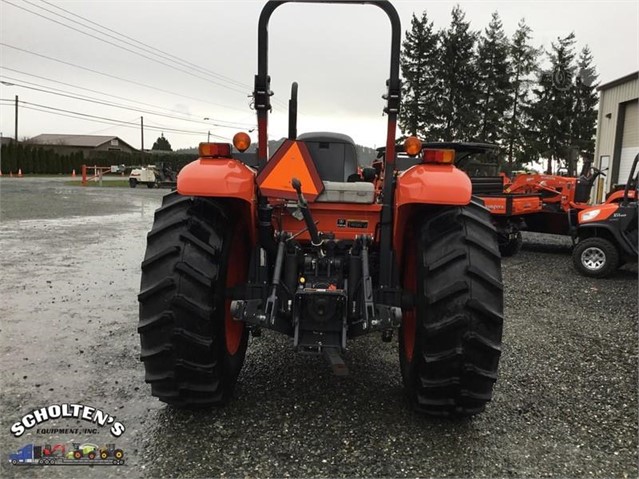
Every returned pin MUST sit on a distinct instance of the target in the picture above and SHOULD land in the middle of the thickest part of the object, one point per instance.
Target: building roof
(87, 141)
(619, 81)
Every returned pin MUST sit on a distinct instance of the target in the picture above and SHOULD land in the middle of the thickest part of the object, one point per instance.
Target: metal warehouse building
(617, 130)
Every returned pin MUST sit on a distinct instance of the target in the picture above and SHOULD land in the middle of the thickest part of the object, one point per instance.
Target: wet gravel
(565, 404)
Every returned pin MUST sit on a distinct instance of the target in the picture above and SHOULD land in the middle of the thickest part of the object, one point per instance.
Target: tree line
(33, 159)
(464, 85)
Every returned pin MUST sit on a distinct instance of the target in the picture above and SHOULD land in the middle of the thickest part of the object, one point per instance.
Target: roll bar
(631, 176)
(262, 91)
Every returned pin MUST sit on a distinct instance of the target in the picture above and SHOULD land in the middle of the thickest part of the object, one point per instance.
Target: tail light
(432, 155)
(215, 150)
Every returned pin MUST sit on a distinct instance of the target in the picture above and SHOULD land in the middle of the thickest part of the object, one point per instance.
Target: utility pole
(208, 138)
(142, 140)
(16, 137)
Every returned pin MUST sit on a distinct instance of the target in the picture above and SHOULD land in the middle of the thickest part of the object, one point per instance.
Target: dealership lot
(565, 403)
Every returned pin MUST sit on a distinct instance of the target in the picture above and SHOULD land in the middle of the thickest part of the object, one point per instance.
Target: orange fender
(433, 184)
(426, 184)
(221, 178)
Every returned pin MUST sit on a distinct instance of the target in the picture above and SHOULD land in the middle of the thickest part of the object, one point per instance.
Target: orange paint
(291, 160)
(345, 221)
(521, 204)
(604, 212)
(219, 177)
(433, 184)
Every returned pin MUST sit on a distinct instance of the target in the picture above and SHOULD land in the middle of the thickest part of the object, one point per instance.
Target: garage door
(630, 140)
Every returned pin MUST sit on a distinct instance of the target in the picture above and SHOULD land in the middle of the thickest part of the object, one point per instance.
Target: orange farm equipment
(606, 234)
(509, 211)
(309, 244)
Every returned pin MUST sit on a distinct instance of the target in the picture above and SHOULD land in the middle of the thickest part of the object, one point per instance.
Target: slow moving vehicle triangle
(291, 160)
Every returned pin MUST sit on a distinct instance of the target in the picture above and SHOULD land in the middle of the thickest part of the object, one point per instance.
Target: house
(87, 144)
(617, 131)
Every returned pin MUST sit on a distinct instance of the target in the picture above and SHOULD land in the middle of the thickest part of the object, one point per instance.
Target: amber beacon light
(412, 145)
(241, 141)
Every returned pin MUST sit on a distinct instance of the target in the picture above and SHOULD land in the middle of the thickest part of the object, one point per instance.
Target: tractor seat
(335, 158)
(334, 155)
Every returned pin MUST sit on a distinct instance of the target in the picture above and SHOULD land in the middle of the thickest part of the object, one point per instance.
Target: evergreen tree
(523, 62)
(584, 120)
(457, 73)
(552, 109)
(493, 70)
(419, 60)
(162, 144)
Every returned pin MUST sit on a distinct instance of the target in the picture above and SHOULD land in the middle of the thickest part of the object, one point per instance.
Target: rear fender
(222, 178)
(426, 185)
(433, 184)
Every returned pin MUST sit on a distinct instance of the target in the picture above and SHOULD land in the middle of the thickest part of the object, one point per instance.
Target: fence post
(84, 175)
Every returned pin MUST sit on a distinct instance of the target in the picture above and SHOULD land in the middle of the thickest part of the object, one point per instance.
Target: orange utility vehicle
(607, 234)
(310, 245)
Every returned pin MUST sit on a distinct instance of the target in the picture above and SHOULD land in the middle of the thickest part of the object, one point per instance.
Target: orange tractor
(562, 197)
(312, 246)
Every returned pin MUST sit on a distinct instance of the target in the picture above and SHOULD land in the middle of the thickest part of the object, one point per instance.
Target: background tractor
(109, 450)
(312, 246)
(80, 451)
(479, 161)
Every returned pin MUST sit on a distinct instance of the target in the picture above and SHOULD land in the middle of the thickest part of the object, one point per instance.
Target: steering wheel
(597, 171)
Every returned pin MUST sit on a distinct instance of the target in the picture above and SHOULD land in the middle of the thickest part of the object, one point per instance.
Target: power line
(115, 76)
(110, 104)
(176, 58)
(102, 119)
(101, 93)
(208, 80)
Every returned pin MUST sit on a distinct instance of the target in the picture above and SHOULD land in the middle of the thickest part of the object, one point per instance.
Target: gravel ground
(565, 404)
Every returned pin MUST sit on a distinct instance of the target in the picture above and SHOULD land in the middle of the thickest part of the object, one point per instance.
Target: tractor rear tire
(512, 246)
(596, 257)
(450, 342)
(192, 348)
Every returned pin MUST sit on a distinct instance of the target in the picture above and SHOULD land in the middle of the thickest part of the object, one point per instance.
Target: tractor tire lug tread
(459, 313)
(171, 250)
(182, 314)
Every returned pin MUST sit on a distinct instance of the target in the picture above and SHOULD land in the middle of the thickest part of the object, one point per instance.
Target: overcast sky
(338, 54)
